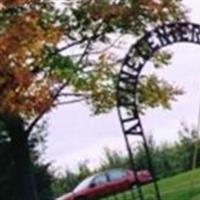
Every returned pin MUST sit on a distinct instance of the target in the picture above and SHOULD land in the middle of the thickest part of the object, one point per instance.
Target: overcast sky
(75, 135)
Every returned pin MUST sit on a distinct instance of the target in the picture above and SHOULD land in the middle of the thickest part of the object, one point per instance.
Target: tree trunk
(25, 186)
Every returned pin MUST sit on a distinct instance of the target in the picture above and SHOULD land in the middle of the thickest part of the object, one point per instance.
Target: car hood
(67, 196)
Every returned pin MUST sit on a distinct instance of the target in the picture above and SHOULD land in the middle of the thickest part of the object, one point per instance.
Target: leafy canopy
(52, 55)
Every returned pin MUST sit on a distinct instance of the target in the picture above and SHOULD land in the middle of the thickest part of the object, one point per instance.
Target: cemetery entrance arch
(127, 98)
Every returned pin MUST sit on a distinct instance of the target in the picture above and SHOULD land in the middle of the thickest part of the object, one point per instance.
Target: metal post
(132, 164)
(149, 160)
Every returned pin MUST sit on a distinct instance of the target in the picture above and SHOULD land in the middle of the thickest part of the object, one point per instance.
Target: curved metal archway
(134, 62)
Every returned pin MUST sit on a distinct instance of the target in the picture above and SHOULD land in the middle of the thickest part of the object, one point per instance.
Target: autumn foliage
(24, 89)
(10, 3)
(28, 76)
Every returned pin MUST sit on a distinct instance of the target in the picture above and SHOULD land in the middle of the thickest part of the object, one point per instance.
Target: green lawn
(185, 186)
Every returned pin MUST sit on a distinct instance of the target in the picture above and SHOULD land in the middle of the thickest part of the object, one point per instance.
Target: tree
(189, 138)
(68, 181)
(52, 56)
(8, 178)
(6, 167)
(113, 159)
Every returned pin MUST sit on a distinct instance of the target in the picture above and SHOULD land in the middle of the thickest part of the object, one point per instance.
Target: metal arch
(127, 98)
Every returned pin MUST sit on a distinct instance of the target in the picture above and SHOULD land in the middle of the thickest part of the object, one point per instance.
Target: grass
(185, 186)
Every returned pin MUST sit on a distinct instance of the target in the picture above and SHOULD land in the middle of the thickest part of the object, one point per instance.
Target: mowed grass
(185, 186)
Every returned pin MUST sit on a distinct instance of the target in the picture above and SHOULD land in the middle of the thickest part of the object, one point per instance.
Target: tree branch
(35, 121)
(90, 40)
(109, 47)
(67, 94)
(70, 102)
(71, 45)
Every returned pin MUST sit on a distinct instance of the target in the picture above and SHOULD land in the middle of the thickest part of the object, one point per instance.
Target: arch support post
(133, 168)
(151, 168)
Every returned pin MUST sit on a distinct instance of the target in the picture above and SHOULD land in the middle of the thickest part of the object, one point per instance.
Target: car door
(98, 186)
(118, 181)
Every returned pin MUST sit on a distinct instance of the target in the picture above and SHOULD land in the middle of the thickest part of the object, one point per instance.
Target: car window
(84, 184)
(116, 174)
(100, 179)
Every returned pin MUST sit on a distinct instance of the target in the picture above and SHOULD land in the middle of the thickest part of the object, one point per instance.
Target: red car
(106, 183)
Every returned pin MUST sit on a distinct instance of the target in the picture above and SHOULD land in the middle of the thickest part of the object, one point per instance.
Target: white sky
(75, 135)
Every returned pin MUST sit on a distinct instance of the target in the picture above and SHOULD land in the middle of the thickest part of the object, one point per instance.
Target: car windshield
(84, 184)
